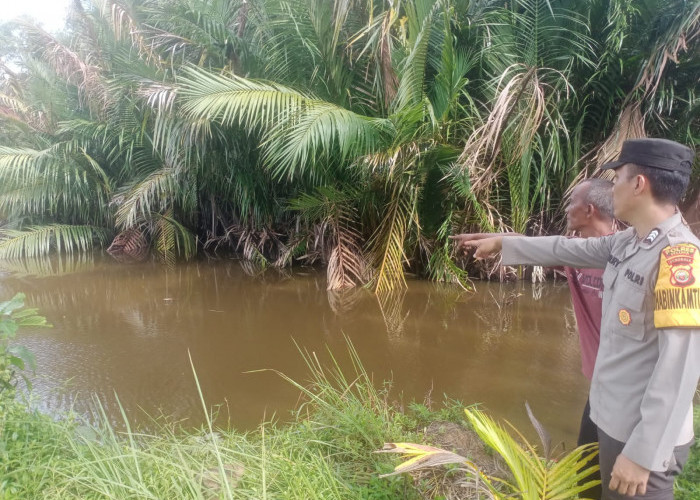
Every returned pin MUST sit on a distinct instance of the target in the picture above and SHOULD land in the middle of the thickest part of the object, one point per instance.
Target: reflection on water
(128, 330)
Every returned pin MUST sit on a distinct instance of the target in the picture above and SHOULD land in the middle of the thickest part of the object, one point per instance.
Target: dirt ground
(459, 483)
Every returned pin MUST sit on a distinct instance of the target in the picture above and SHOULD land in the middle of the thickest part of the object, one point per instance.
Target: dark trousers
(588, 433)
(660, 484)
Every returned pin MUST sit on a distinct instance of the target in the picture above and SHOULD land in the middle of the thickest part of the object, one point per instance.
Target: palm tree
(354, 132)
(305, 137)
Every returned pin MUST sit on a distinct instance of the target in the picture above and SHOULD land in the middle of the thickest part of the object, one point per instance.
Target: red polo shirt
(586, 287)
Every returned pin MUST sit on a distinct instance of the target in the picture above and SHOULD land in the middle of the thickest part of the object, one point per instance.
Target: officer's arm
(670, 390)
(667, 399)
(557, 251)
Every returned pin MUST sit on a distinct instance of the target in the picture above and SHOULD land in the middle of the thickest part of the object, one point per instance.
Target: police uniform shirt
(648, 362)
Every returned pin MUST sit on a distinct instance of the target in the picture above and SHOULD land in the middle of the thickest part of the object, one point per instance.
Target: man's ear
(641, 184)
(590, 210)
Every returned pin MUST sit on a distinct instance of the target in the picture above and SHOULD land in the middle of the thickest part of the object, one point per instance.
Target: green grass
(326, 452)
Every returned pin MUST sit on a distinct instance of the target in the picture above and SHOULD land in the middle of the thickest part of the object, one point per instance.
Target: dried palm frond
(124, 22)
(289, 250)
(336, 238)
(675, 40)
(421, 456)
(129, 246)
(85, 74)
(522, 93)
(13, 108)
(389, 78)
(260, 246)
(347, 265)
(630, 125)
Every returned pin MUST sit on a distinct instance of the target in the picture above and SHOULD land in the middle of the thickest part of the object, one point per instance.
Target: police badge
(680, 261)
(677, 292)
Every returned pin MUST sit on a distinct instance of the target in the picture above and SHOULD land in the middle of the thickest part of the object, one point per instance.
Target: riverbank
(325, 452)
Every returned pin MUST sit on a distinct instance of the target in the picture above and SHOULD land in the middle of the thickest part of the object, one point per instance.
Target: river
(129, 331)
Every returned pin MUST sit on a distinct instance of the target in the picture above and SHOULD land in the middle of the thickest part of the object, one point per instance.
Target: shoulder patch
(677, 290)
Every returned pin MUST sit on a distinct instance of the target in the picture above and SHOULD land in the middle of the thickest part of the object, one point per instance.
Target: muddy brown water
(127, 330)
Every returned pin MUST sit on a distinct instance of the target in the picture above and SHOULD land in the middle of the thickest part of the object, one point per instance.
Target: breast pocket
(630, 311)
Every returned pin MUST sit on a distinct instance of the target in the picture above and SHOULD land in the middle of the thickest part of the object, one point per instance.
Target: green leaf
(21, 353)
(8, 328)
(13, 304)
(17, 361)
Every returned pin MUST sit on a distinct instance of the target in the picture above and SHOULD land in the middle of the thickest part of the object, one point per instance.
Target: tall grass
(324, 453)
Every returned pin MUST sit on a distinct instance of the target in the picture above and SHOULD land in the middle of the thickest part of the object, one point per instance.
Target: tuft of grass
(324, 453)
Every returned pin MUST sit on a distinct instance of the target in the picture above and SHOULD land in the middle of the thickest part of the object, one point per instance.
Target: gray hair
(599, 194)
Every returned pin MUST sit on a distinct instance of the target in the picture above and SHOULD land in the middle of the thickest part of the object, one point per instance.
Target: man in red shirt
(588, 214)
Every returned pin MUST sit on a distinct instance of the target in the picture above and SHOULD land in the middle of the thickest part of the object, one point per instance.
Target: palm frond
(155, 193)
(72, 67)
(412, 75)
(347, 266)
(129, 246)
(321, 131)
(41, 241)
(172, 239)
(682, 29)
(387, 243)
(528, 472)
(520, 98)
(60, 182)
(299, 130)
(441, 267)
(535, 479)
(124, 23)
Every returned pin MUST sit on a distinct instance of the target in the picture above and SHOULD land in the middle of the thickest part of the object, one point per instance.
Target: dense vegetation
(357, 133)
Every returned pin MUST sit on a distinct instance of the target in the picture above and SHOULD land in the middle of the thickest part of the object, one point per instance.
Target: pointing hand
(486, 245)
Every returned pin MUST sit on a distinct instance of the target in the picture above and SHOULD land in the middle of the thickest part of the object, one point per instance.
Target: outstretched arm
(542, 250)
(486, 244)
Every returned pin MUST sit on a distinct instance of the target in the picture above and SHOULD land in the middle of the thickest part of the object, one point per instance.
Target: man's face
(623, 191)
(577, 209)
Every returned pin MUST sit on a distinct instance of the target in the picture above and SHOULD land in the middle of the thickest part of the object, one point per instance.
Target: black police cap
(656, 153)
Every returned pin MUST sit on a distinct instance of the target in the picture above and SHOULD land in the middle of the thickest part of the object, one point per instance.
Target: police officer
(648, 362)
